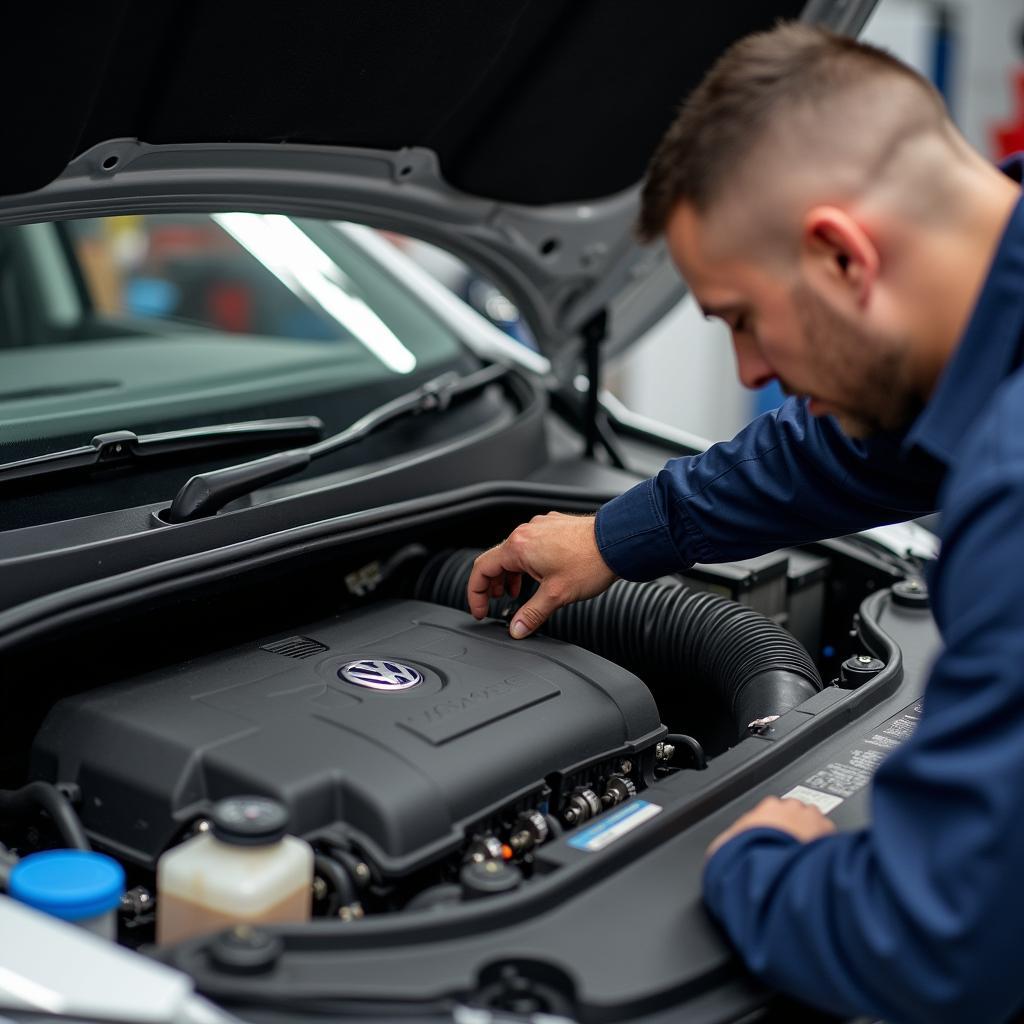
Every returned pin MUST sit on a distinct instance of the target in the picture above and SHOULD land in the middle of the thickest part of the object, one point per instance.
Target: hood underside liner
(527, 101)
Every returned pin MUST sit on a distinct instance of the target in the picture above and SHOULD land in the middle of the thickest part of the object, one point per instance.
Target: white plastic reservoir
(245, 870)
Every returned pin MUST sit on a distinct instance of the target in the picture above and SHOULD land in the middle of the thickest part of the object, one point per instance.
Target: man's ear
(838, 254)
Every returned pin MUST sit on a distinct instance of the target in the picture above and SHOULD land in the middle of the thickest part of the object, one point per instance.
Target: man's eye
(741, 323)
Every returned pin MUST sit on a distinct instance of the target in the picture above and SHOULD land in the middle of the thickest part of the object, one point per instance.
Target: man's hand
(798, 819)
(559, 551)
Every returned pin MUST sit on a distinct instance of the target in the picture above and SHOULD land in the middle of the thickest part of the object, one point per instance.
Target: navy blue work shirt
(919, 917)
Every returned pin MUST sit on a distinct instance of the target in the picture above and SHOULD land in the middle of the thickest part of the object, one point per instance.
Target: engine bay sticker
(825, 802)
(834, 782)
(614, 826)
(897, 728)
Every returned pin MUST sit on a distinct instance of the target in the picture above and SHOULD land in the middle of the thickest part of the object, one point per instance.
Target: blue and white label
(614, 826)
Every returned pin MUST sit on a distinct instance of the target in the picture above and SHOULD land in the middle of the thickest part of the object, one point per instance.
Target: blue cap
(69, 884)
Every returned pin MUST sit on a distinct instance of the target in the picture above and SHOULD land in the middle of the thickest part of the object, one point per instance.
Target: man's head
(813, 191)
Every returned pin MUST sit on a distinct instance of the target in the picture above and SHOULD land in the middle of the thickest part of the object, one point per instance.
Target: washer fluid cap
(249, 821)
(73, 885)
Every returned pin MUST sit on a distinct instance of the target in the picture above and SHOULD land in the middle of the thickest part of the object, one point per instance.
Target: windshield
(126, 322)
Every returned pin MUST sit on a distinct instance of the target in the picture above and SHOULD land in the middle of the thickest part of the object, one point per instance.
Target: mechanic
(815, 196)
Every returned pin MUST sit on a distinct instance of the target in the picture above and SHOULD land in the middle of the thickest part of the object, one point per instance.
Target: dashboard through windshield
(137, 320)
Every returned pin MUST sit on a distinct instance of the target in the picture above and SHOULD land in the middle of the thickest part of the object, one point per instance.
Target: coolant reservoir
(244, 870)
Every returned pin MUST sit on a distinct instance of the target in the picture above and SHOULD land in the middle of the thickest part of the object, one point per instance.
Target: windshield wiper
(207, 493)
(124, 447)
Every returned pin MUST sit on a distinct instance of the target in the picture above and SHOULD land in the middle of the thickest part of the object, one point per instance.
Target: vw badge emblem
(381, 675)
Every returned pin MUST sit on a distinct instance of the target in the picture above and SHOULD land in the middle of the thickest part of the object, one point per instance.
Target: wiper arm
(207, 493)
(124, 447)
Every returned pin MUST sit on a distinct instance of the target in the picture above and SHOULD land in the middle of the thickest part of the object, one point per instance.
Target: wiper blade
(124, 447)
(207, 493)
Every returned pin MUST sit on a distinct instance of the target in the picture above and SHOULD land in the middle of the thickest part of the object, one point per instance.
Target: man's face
(784, 329)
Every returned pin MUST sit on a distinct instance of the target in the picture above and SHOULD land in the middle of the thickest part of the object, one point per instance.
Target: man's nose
(753, 369)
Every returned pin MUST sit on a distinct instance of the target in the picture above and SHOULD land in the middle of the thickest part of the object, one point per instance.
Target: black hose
(659, 629)
(689, 751)
(44, 796)
(343, 891)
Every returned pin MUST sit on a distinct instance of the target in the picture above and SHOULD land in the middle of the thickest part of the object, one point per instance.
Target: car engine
(326, 764)
(404, 735)
(423, 758)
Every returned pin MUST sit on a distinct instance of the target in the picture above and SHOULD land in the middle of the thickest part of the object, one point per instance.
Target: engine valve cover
(396, 725)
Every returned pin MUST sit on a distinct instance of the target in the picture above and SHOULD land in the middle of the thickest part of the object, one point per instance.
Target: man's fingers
(558, 551)
(478, 594)
(535, 612)
(487, 578)
(800, 820)
(486, 569)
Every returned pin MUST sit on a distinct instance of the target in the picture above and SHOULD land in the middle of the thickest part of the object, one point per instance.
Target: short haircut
(758, 79)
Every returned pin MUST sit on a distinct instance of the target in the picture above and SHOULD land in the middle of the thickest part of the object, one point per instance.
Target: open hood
(514, 134)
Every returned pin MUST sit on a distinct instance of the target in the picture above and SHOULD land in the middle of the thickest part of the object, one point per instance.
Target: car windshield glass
(119, 322)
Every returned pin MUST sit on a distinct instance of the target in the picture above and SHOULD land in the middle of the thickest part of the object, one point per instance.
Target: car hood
(514, 134)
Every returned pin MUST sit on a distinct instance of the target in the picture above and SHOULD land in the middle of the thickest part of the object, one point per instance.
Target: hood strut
(596, 428)
(595, 330)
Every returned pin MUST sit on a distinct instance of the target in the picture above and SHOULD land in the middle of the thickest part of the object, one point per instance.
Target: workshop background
(683, 372)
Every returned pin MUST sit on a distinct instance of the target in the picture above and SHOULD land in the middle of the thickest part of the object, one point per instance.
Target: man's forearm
(787, 478)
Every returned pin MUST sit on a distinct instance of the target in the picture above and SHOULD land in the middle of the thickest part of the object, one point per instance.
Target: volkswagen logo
(381, 675)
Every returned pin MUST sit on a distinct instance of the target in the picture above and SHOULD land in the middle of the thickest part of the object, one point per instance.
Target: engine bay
(403, 734)
(449, 780)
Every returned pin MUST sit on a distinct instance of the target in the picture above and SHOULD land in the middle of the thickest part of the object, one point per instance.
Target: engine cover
(396, 726)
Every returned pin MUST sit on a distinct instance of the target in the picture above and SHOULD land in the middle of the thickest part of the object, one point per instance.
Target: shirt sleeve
(918, 918)
(787, 478)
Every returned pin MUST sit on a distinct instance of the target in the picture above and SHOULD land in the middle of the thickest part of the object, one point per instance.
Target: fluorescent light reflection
(307, 271)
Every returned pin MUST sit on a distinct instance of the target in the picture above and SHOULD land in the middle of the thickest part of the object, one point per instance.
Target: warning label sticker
(845, 778)
(897, 729)
(825, 802)
(614, 826)
(834, 782)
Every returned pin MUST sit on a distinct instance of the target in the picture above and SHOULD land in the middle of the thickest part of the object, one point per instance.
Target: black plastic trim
(508, 449)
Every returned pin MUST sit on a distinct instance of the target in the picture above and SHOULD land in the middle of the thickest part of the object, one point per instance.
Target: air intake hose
(661, 629)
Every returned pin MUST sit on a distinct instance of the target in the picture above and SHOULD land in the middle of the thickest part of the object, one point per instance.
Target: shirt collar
(1013, 167)
(988, 348)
